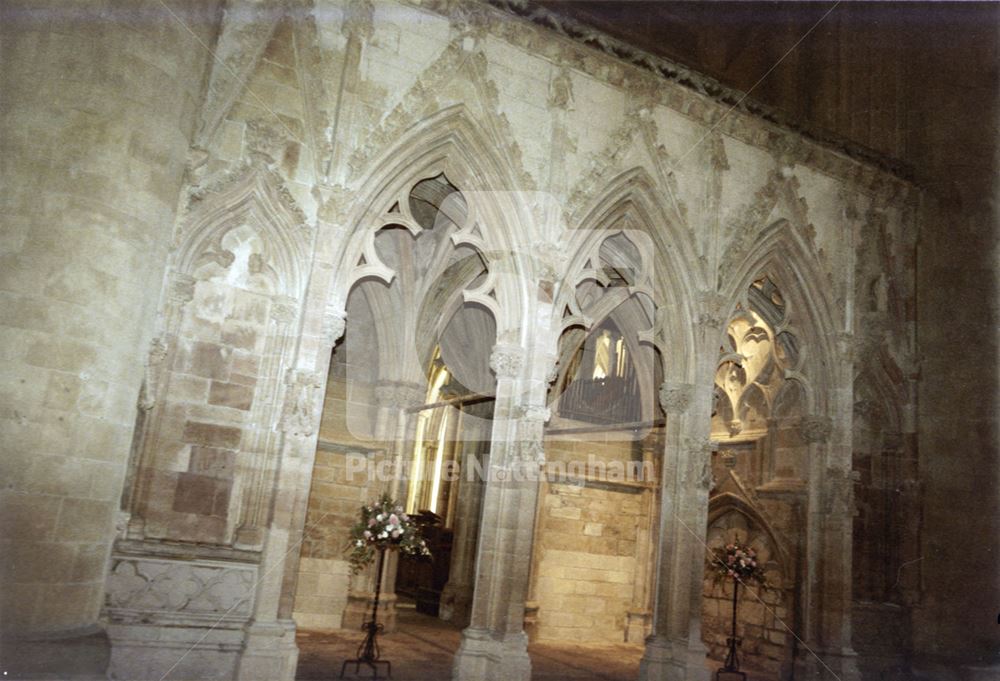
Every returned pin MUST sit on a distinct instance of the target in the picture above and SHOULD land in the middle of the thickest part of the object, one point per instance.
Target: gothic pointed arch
(631, 204)
(784, 256)
(249, 215)
(452, 144)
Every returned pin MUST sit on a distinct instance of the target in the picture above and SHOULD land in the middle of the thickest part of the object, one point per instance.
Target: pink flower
(367, 534)
(395, 534)
(371, 522)
(394, 519)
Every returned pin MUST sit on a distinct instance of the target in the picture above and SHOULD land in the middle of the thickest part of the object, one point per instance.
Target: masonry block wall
(339, 487)
(590, 539)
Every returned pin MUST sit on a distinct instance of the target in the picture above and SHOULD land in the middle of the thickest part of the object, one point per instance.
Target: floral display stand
(736, 562)
(383, 526)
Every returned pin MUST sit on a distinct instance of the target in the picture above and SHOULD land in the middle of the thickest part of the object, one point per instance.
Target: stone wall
(590, 540)
(100, 108)
(338, 490)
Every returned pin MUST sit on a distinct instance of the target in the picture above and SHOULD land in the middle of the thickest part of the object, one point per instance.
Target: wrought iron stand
(368, 652)
(731, 668)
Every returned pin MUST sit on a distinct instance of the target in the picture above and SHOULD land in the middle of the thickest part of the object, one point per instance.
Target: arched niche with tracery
(214, 393)
(429, 286)
(766, 615)
(609, 367)
(759, 351)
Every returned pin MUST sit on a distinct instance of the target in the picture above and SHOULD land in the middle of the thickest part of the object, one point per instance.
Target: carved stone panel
(193, 589)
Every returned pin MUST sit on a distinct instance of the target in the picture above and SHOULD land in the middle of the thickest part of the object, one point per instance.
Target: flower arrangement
(383, 526)
(738, 562)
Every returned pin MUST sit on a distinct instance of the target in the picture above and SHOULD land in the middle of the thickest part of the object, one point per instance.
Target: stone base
(637, 625)
(531, 620)
(78, 655)
(666, 660)
(481, 657)
(359, 610)
(456, 604)
(827, 665)
(926, 670)
(140, 652)
(269, 652)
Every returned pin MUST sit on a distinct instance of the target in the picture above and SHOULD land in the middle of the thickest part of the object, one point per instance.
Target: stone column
(456, 596)
(674, 651)
(495, 646)
(269, 652)
(639, 616)
(100, 103)
(827, 593)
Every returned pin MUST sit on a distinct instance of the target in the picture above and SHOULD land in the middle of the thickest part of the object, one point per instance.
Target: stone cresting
(726, 97)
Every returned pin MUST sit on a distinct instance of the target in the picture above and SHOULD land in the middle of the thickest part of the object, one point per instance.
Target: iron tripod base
(368, 654)
(731, 668)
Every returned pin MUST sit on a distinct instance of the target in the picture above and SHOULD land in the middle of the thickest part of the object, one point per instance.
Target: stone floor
(421, 649)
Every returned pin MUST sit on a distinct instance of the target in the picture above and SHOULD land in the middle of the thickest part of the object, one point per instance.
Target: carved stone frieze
(612, 60)
(191, 588)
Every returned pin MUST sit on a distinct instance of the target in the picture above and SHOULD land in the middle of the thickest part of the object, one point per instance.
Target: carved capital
(507, 360)
(535, 413)
(334, 324)
(359, 19)
(815, 429)
(398, 395)
(675, 398)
